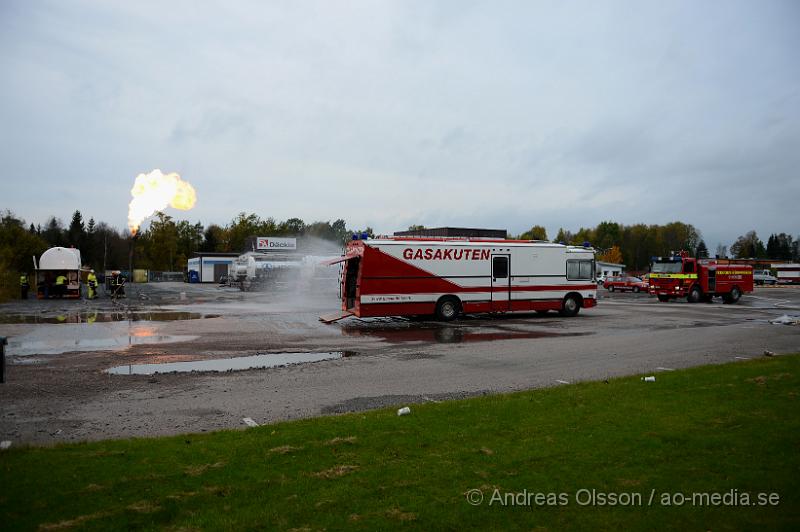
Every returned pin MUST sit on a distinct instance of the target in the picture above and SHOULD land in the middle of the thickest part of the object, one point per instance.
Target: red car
(634, 284)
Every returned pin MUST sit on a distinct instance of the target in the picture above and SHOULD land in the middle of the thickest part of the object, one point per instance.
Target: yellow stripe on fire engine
(673, 276)
(734, 272)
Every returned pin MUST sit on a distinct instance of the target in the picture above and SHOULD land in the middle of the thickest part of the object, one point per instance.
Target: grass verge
(732, 430)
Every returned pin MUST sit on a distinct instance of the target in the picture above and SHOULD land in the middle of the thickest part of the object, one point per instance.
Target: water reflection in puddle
(103, 317)
(449, 335)
(86, 337)
(271, 360)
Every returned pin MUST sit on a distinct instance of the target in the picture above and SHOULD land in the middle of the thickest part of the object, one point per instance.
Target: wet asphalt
(59, 388)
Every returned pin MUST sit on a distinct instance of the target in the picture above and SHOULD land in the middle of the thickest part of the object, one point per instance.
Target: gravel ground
(57, 389)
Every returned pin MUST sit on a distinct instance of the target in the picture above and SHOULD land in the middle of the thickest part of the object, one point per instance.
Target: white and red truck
(787, 273)
(393, 276)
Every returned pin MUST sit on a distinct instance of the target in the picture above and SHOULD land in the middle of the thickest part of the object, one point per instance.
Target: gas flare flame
(154, 192)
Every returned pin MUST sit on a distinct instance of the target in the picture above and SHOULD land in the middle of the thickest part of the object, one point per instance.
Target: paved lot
(57, 388)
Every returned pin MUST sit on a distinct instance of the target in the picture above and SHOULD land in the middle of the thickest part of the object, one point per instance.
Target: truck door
(501, 282)
(350, 282)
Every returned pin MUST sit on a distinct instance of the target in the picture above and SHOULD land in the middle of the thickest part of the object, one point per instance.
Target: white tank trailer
(275, 271)
(53, 263)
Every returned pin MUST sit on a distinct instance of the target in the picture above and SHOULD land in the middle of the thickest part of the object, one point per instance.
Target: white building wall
(207, 270)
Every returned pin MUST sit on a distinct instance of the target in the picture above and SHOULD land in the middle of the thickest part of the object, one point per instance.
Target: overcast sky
(490, 113)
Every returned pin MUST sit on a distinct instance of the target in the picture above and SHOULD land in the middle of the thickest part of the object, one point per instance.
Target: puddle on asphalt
(103, 317)
(270, 360)
(24, 346)
(450, 335)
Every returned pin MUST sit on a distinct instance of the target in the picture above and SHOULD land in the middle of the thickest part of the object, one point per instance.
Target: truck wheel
(447, 308)
(571, 306)
(635, 289)
(611, 288)
(733, 296)
(663, 298)
(694, 295)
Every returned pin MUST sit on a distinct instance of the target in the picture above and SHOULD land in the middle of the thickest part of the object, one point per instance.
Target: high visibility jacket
(91, 278)
(61, 280)
(23, 279)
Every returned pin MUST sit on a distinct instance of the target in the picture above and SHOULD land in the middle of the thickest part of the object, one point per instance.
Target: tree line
(634, 245)
(165, 245)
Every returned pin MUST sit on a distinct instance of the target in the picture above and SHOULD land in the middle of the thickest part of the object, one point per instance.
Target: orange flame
(154, 192)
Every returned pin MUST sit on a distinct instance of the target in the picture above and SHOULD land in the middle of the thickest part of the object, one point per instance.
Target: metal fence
(159, 277)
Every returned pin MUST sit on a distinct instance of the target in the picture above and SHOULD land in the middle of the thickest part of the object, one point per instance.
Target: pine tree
(702, 250)
(54, 233)
(76, 230)
(88, 246)
(772, 245)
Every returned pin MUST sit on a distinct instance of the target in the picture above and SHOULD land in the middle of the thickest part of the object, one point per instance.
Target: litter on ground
(786, 320)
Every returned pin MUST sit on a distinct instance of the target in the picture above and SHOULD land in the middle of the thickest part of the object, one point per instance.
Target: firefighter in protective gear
(61, 286)
(24, 286)
(117, 285)
(91, 283)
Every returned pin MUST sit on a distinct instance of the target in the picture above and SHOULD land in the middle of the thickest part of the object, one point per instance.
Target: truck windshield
(666, 267)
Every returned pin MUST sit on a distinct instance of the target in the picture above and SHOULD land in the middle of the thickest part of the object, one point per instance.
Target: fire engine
(698, 279)
(402, 276)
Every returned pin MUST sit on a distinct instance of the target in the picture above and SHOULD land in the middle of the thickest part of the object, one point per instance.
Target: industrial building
(608, 269)
(454, 232)
(210, 267)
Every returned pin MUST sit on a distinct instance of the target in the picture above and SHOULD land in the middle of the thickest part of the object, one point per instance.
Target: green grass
(708, 429)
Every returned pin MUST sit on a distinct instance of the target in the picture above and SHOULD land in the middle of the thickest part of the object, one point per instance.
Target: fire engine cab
(698, 279)
(393, 276)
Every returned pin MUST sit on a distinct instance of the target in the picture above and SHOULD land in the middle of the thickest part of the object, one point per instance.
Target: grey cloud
(523, 113)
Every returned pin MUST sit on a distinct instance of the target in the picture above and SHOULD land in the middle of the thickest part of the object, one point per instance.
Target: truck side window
(688, 267)
(580, 270)
(586, 269)
(500, 267)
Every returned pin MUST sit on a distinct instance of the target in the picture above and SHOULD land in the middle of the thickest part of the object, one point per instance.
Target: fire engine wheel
(571, 306)
(611, 288)
(694, 295)
(447, 308)
(733, 296)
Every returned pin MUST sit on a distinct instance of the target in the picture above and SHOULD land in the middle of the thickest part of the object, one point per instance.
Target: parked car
(634, 284)
(764, 277)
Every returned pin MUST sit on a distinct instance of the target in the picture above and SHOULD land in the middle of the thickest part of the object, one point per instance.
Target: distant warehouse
(210, 267)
